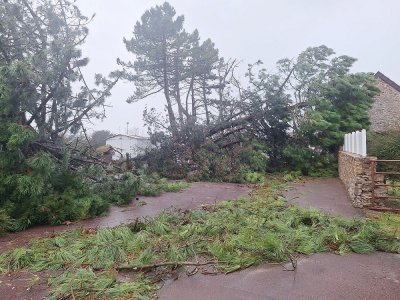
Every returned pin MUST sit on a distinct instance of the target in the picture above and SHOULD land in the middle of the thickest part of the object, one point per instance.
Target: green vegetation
(295, 116)
(216, 127)
(52, 193)
(389, 221)
(384, 145)
(154, 185)
(43, 180)
(260, 229)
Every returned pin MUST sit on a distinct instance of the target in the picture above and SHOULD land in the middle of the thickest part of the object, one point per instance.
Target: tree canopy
(216, 125)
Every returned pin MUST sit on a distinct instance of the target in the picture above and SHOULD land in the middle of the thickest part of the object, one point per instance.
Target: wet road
(319, 276)
(326, 194)
(191, 198)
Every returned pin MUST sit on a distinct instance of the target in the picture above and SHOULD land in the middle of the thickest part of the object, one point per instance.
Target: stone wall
(384, 114)
(355, 173)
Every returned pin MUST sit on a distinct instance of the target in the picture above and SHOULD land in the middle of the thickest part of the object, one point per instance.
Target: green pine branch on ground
(230, 236)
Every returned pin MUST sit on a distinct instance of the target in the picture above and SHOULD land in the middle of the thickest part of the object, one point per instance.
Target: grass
(153, 185)
(389, 221)
(231, 235)
(393, 190)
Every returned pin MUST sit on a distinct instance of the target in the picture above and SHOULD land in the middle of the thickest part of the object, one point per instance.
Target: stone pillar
(355, 171)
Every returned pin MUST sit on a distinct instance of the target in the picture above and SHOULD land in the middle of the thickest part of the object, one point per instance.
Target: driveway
(318, 276)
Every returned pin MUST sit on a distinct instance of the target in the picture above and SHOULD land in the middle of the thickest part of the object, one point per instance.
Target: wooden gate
(385, 185)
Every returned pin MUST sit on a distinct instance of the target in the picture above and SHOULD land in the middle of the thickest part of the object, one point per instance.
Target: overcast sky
(248, 30)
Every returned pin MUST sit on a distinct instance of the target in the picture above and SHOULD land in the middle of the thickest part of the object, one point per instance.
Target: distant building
(385, 112)
(134, 145)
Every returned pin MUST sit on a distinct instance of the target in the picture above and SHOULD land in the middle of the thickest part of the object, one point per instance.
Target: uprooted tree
(297, 115)
(43, 180)
(216, 126)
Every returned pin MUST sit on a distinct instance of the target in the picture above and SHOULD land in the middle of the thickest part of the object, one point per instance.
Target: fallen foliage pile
(228, 236)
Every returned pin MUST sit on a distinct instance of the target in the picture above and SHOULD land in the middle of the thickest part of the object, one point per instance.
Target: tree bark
(171, 115)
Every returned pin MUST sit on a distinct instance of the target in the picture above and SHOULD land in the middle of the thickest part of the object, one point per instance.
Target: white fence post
(356, 142)
(363, 143)
(350, 142)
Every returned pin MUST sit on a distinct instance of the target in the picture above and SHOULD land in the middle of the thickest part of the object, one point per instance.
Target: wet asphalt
(319, 276)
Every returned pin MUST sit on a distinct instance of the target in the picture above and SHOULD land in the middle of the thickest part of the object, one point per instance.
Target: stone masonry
(355, 173)
(384, 114)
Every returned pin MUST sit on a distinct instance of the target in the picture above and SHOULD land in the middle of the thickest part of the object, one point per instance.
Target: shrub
(207, 161)
(384, 145)
(309, 161)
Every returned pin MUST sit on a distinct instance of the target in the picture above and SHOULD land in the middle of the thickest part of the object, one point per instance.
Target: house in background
(385, 112)
(134, 145)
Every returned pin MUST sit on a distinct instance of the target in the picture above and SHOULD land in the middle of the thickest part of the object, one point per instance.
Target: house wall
(125, 144)
(385, 112)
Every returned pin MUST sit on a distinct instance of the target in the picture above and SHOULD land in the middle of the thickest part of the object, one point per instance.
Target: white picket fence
(356, 142)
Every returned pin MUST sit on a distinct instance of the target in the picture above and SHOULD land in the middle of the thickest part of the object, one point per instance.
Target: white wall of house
(134, 145)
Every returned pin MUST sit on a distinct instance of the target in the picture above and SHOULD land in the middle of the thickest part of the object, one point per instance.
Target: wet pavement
(326, 194)
(318, 276)
(191, 198)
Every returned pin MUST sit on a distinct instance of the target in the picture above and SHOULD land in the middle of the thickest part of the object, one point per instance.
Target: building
(134, 145)
(385, 112)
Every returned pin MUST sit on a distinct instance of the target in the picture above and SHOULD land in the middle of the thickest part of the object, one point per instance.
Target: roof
(129, 136)
(387, 80)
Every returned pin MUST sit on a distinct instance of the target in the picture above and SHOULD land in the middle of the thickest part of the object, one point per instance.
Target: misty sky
(248, 30)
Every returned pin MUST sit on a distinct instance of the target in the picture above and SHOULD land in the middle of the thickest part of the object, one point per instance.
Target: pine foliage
(261, 229)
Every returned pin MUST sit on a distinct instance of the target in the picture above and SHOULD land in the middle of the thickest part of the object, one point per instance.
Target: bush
(310, 162)
(384, 145)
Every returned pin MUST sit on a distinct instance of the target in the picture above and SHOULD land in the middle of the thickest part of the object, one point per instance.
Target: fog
(247, 30)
